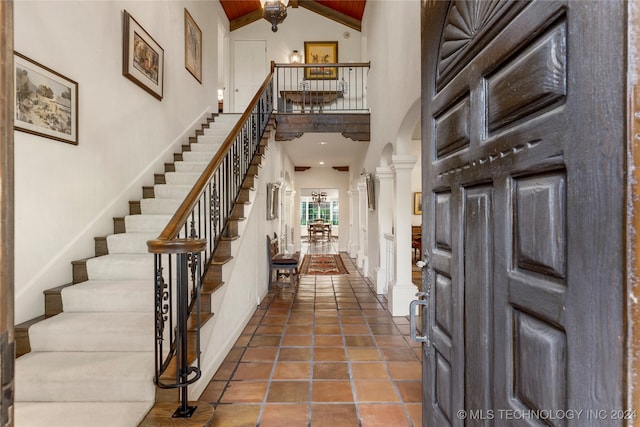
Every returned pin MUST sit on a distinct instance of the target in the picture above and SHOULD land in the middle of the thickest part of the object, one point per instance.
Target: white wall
(392, 33)
(66, 195)
(300, 25)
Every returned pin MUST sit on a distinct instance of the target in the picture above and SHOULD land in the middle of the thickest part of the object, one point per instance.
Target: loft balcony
(321, 98)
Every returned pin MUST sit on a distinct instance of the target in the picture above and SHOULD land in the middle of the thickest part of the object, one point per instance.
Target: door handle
(412, 318)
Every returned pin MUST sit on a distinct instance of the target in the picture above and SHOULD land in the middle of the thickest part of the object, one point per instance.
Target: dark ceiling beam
(327, 12)
(247, 19)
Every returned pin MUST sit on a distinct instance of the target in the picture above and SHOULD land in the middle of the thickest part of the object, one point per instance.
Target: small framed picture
(46, 102)
(417, 203)
(371, 192)
(143, 58)
(192, 46)
(321, 53)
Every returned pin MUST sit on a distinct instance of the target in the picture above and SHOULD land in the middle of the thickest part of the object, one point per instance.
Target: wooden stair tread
(220, 260)
(211, 286)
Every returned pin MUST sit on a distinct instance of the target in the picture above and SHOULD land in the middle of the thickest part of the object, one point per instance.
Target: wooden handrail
(166, 242)
(341, 64)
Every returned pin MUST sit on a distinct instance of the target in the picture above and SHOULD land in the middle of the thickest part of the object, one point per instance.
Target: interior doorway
(319, 215)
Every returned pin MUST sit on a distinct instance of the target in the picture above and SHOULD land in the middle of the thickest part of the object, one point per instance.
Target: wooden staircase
(212, 280)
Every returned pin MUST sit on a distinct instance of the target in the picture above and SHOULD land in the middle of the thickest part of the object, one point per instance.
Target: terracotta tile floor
(330, 355)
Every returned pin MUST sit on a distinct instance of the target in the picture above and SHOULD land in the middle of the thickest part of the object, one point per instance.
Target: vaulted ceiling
(346, 12)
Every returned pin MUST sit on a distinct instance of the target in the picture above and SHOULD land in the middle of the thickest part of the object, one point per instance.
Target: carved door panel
(523, 121)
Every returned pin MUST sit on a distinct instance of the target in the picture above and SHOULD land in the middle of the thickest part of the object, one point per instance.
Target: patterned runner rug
(323, 264)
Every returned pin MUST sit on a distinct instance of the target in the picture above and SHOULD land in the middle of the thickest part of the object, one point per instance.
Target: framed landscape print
(192, 46)
(321, 53)
(46, 102)
(142, 57)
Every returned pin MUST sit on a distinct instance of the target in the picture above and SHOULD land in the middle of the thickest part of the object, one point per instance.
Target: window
(310, 211)
(334, 212)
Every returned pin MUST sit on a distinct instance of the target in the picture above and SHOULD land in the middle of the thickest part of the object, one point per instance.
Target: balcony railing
(321, 88)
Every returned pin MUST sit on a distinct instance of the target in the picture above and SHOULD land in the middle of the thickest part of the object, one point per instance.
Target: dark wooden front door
(524, 135)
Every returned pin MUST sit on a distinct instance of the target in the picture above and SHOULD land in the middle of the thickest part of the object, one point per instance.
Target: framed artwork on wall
(46, 102)
(417, 203)
(273, 200)
(192, 46)
(371, 192)
(321, 53)
(142, 57)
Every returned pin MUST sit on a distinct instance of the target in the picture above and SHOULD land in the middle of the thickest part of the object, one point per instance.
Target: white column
(384, 176)
(402, 291)
(362, 223)
(291, 221)
(353, 224)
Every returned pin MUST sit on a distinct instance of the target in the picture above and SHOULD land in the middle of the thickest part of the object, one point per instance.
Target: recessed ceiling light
(322, 163)
(323, 142)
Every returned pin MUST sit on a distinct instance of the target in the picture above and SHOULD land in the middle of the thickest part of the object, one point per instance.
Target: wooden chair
(416, 241)
(280, 262)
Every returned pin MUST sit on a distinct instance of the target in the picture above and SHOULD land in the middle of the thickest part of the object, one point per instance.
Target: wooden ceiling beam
(245, 19)
(329, 13)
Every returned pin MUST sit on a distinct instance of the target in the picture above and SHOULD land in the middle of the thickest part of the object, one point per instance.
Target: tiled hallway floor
(330, 355)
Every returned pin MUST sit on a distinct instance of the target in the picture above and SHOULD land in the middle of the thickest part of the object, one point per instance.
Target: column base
(399, 297)
(353, 250)
(381, 280)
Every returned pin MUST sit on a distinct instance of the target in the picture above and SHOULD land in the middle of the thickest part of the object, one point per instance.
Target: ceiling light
(319, 197)
(274, 11)
(323, 143)
(322, 163)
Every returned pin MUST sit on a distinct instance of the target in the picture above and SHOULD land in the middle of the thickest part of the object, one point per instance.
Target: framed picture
(273, 200)
(321, 53)
(417, 203)
(192, 46)
(371, 192)
(142, 57)
(46, 102)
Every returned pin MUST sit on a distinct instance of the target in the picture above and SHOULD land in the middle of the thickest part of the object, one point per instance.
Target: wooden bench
(281, 262)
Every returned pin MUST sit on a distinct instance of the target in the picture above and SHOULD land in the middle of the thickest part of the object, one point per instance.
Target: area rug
(323, 264)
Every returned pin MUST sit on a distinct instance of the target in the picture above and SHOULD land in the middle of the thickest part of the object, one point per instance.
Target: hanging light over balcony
(274, 11)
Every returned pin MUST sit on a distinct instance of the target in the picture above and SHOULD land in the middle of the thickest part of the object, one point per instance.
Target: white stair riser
(129, 243)
(75, 414)
(94, 332)
(190, 166)
(181, 178)
(85, 377)
(210, 140)
(222, 131)
(197, 156)
(109, 296)
(168, 191)
(121, 267)
(159, 206)
(146, 223)
(210, 149)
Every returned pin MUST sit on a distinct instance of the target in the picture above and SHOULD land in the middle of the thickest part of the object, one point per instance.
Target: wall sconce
(295, 57)
(274, 11)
